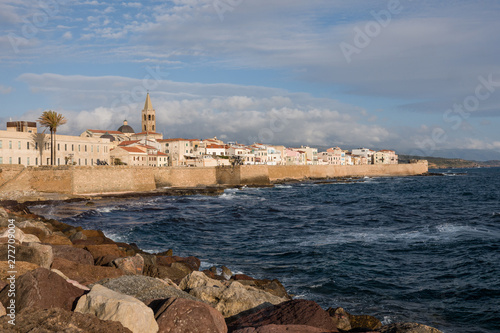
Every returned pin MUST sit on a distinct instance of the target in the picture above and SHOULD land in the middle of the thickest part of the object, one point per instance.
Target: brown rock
(22, 267)
(130, 265)
(104, 250)
(85, 274)
(42, 289)
(57, 240)
(167, 253)
(106, 260)
(192, 262)
(341, 318)
(226, 273)
(32, 252)
(347, 321)
(77, 236)
(93, 233)
(179, 315)
(35, 231)
(271, 286)
(408, 328)
(295, 312)
(282, 329)
(239, 277)
(71, 253)
(60, 320)
(213, 275)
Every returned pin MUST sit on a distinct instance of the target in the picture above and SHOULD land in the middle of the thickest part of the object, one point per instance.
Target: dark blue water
(419, 249)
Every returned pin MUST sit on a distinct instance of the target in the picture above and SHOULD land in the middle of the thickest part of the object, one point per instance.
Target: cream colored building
(33, 149)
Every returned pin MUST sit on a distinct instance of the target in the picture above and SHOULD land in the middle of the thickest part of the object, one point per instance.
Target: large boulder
(179, 315)
(57, 240)
(71, 253)
(85, 274)
(29, 225)
(282, 329)
(130, 265)
(22, 267)
(347, 321)
(408, 328)
(59, 320)
(230, 298)
(144, 287)
(31, 252)
(271, 286)
(104, 250)
(107, 304)
(42, 289)
(295, 312)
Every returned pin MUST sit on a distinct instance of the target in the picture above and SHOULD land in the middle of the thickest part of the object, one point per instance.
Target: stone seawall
(109, 179)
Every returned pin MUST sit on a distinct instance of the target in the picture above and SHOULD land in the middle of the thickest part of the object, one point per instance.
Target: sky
(414, 76)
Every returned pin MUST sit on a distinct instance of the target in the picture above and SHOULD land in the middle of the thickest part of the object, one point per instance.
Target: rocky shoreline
(68, 279)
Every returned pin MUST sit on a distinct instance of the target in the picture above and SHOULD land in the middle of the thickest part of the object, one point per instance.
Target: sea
(403, 249)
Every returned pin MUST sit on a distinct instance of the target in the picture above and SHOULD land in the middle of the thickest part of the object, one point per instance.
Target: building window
(144, 126)
(0, 146)
(92, 148)
(85, 150)
(27, 145)
(27, 161)
(79, 162)
(1, 160)
(149, 117)
(78, 147)
(36, 161)
(19, 146)
(36, 145)
(19, 160)
(10, 160)
(58, 161)
(153, 128)
(92, 162)
(97, 148)
(85, 159)
(144, 117)
(58, 147)
(65, 147)
(10, 145)
(72, 147)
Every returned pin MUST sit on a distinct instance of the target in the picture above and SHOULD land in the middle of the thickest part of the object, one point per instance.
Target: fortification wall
(102, 179)
(184, 177)
(107, 179)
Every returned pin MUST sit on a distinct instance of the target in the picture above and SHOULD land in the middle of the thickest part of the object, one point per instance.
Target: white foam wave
(283, 186)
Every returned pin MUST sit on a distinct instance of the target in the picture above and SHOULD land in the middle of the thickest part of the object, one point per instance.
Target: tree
(52, 120)
(39, 139)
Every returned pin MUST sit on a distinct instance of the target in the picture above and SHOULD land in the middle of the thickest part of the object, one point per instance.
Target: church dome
(125, 128)
(108, 136)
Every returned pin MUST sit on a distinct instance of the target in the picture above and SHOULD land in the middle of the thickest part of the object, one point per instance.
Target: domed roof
(125, 128)
(108, 136)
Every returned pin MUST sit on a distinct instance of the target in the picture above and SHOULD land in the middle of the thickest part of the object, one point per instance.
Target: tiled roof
(126, 143)
(133, 150)
(216, 146)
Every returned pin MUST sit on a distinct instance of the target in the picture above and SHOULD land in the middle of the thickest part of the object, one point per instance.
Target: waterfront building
(25, 145)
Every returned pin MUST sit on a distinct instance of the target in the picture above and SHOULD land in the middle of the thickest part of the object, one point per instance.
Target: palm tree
(39, 139)
(52, 120)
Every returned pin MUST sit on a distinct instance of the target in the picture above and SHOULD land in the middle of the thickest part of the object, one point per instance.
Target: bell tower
(148, 117)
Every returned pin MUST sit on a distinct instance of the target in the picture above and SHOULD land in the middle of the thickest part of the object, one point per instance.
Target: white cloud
(5, 90)
(242, 113)
(67, 35)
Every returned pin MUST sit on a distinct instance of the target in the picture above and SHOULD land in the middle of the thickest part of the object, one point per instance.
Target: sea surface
(414, 249)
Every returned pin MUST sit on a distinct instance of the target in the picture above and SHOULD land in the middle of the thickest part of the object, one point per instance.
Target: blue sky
(415, 76)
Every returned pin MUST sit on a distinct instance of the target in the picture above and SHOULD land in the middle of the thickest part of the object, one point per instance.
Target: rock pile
(75, 280)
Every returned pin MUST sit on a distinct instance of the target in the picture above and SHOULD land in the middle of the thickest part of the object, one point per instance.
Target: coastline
(183, 273)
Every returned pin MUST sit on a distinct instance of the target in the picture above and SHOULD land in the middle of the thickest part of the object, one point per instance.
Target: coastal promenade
(76, 180)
